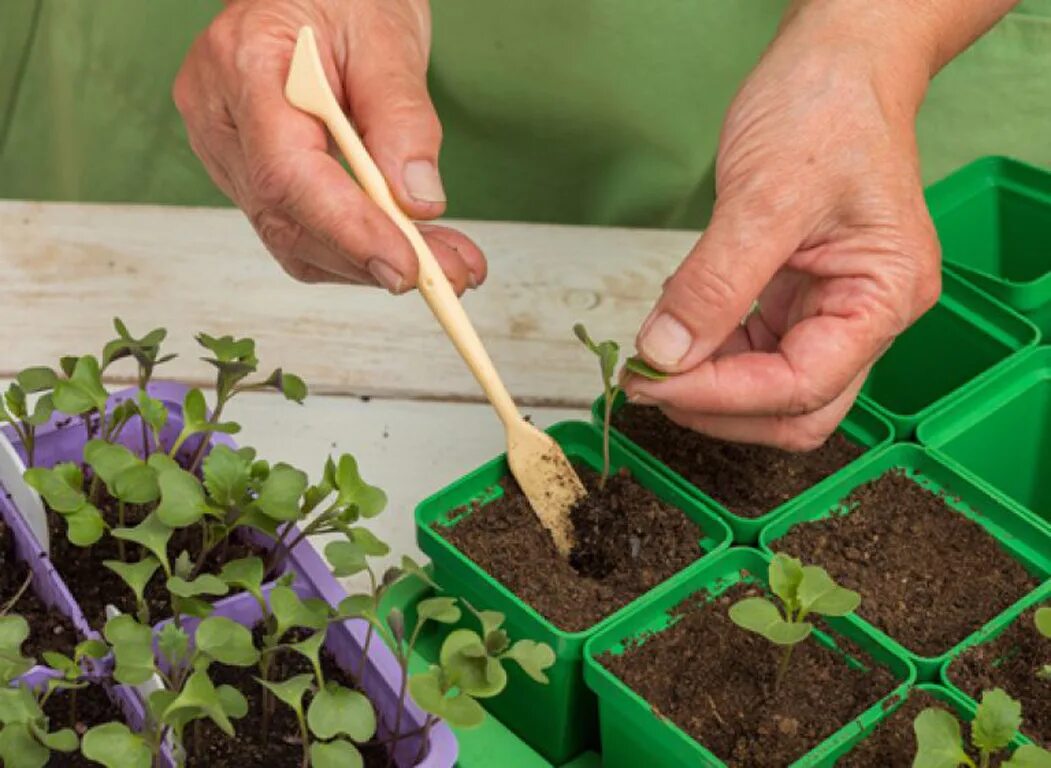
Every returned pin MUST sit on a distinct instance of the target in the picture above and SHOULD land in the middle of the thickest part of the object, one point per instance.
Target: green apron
(584, 111)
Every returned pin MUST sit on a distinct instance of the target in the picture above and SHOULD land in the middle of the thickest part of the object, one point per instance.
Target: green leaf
(85, 526)
(135, 575)
(246, 574)
(444, 610)
(998, 719)
(288, 384)
(533, 658)
(91, 649)
(108, 459)
(233, 702)
(133, 649)
(173, 643)
(491, 621)
(358, 606)
(14, 630)
(819, 594)
(226, 641)
(345, 557)
(15, 399)
(335, 754)
(412, 568)
(205, 584)
(195, 417)
(182, 497)
(366, 500)
(290, 611)
(459, 710)
(18, 705)
(199, 698)
(368, 543)
(608, 352)
(785, 575)
(61, 663)
(227, 474)
(310, 649)
(19, 749)
(759, 615)
(290, 691)
(280, 493)
(476, 674)
(1043, 621)
(1029, 756)
(62, 740)
(152, 411)
(640, 367)
(227, 349)
(336, 711)
(152, 534)
(61, 486)
(36, 379)
(137, 485)
(42, 411)
(938, 741)
(114, 745)
(83, 390)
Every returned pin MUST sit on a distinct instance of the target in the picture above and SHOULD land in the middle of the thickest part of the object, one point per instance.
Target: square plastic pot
(633, 735)
(965, 338)
(1018, 533)
(993, 218)
(559, 719)
(999, 432)
(862, 426)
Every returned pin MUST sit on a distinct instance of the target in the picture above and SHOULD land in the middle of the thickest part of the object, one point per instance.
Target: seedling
(939, 743)
(16, 410)
(1043, 626)
(803, 590)
(608, 354)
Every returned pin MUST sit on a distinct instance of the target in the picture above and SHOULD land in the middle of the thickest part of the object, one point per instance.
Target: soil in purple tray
(927, 575)
(627, 542)
(93, 707)
(253, 746)
(1012, 662)
(749, 480)
(715, 681)
(49, 630)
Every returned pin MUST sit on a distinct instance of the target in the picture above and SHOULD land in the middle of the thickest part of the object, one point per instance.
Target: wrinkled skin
(276, 163)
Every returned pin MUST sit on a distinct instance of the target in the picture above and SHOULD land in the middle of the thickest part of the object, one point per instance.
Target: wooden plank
(69, 268)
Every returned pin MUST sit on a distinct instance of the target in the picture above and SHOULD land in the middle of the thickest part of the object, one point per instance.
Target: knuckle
(279, 233)
(220, 35)
(798, 438)
(700, 283)
(272, 179)
(300, 271)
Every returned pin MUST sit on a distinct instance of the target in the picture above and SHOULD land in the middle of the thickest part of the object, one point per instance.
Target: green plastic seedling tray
(634, 735)
(477, 746)
(993, 218)
(965, 338)
(1020, 534)
(862, 426)
(1000, 432)
(559, 720)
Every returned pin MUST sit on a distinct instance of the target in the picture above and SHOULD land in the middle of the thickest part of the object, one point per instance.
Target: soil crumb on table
(927, 575)
(628, 541)
(716, 682)
(749, 480)
(1011, 662)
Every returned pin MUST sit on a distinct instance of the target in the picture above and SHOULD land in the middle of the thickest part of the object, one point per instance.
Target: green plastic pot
(999, 432)
(862, 426)
(1017, 532)
(965, 338)
(994, 221)
(633, 735)
(557, 720)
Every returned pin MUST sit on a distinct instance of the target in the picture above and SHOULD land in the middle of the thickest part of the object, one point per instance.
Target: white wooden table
(386, 385)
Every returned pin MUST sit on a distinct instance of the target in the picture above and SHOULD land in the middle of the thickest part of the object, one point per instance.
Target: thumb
(716, 285)
(386, 88)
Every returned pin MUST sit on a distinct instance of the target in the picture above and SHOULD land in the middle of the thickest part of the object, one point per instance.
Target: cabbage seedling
(803, 590)
(1043, 626)
(608, 354)
(15, 408)
(939, 743)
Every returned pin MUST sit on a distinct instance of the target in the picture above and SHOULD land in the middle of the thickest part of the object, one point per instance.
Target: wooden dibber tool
(537, 461)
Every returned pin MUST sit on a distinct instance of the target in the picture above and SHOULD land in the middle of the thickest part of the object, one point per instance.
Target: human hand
(820, 216)
(274, 161)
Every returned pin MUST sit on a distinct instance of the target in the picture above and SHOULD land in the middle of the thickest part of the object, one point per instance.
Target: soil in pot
(628, 541)
(1011, 662)
(49, 630)
(893, 743)
(253, 746)
(93, 707)
(927, 575)
(749, 480)
(715, 681)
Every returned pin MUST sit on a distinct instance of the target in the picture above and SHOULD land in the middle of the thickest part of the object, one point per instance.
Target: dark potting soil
(749, 480)
(49, 630)
(627, 542)
(927, 575)
(93, 707)
(1011, 662)
(893, 743)
(249, 747)
(716, 682)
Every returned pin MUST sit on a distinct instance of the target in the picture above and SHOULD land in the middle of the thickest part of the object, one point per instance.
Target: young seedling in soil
(939, 743)
(608, 354)
(16, 410)
(803, 590)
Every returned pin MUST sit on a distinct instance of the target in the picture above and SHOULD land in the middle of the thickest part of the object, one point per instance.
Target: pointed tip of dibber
(307, 86)
(547, 479)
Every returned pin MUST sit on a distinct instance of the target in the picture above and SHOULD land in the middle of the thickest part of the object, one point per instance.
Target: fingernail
(423, 182)
(665, 341)
(472, 281)
(387, 276)
(641, 399)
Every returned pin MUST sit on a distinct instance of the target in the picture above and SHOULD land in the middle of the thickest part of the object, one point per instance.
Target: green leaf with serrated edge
(785, 574)
(182, 498)
(1029, 756)
(114, 745)
(227, 474)
(459, 710)
(473, 673)
(368, 543)
(152, 534)
(640, 367)
(173, 643)
(233, 702)
(1043, 621)
(533, 658)
(245, 573)
(152, 411)
(83, 390)
(19, 749)
(226, 641)
(61, 486)
(345, 557)
(335, 754)
(280, 493)
(36, 379)
(444, 610)
(290, 611)
(998, 718)
(135, 575)
(290, 691)
(819, 594)
(938, 741)
(132, 648)
(227, 349)
(336, 711)
(199, 696)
